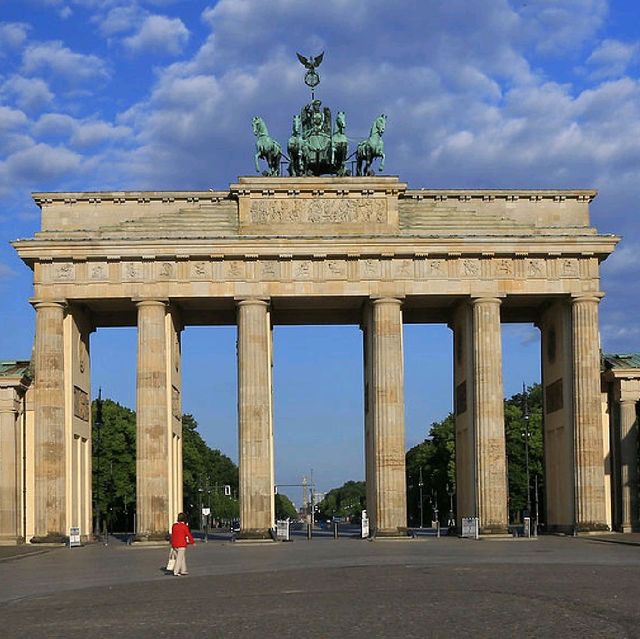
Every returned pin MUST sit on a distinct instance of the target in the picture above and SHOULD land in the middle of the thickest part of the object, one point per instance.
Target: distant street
(427, 587)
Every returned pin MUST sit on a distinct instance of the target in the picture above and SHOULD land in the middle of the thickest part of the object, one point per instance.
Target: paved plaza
(448, 587)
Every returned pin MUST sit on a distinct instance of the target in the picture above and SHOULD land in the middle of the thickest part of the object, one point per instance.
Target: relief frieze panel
(98, 271)
(318, 211)
(302, 270)
(322, 267)
(64, 272)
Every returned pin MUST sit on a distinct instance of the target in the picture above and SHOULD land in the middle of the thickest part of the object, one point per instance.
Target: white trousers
(181, 562)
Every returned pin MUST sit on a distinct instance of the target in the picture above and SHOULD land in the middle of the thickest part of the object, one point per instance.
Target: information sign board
(470, 527)
(74, 537)
(282, 529)
(364, 531)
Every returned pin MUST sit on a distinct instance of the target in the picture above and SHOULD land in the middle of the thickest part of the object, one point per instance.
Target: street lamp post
(420, 485)
(526, 446)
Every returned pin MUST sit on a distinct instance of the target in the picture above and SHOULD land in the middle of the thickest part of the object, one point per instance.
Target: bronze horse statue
(267, 148)
(371, 148)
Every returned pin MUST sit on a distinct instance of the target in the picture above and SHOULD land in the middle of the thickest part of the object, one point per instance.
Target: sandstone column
(10, 466)
(629, 464)
(385, 447)
(588, 445)
(152, 434)
(49, 437)
(255, 419)
(491, 460)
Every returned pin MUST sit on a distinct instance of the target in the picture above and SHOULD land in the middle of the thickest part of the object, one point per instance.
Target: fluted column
(10, 466)
(491, 459)
(588, 444)
(387, 417)
(152, 433)
(629, 464)
(49, 437)
(254, 419)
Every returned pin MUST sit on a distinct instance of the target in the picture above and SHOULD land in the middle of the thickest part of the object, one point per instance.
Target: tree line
(206, 470)
(432, 463)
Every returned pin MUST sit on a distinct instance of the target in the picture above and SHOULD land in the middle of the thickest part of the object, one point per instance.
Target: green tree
(515, 430)
(114, 465)
(435, 456)
(347, 501)
(285, 508)
(206, 471)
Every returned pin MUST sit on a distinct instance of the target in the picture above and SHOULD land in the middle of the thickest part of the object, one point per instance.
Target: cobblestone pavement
(550, 587)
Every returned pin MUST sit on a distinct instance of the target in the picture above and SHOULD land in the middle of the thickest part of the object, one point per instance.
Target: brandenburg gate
(310, 250)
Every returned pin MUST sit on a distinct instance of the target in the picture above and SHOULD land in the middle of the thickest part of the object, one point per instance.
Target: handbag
(171, 562)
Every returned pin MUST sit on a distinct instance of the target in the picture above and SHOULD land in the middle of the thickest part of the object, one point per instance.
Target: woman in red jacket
(181, 537)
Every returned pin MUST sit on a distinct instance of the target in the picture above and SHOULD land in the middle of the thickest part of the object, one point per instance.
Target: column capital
(252, 301)
(150, 301)
(388, 300)
(38, 303)
(593, 297)
(487, 299)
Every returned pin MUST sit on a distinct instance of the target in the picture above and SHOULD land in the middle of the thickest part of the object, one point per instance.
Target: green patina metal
(620, 360)
(317, 146)
(20, 368)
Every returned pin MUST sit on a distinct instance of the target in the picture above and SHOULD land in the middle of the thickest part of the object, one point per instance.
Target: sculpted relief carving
(274, 268)
(318, 211)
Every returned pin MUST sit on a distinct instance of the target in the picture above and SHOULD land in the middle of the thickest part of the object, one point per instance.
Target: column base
(50, 538)
(152, 536)
(592, 526)
(391, 532)
(9, 540)
(494, 529)
(254, 533)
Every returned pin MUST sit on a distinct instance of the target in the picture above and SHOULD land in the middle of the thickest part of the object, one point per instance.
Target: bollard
(335, 530)
(309, 529)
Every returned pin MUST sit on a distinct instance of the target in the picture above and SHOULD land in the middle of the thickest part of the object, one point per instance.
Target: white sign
(74, 537)
(364, 531)
(282, 529)
(470, 527)
(206, 512)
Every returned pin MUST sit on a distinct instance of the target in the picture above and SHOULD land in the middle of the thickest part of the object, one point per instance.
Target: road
(426, 587)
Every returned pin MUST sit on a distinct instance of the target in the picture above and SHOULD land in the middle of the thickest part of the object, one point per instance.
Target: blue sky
(159, 94)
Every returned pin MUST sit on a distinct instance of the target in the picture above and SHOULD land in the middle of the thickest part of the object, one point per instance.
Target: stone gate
(366, 251)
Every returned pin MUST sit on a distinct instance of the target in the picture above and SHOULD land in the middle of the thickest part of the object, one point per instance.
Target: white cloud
(612, 58)
(12, 34)
(55, 57)
(119, 19)
(557, 26)
(11, 119)
(37, 164)
(29, 93)
(78, 133)
(159, 34)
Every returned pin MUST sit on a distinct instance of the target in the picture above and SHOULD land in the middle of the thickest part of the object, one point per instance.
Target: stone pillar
(491, 459)
(466, 489)
(629, 464)
(10, 467)
(50, 507)
(385, 445)
(255, 419)
(588, 445)
(152, 416)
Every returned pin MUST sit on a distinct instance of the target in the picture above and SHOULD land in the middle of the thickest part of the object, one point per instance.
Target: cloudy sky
(159, 94)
